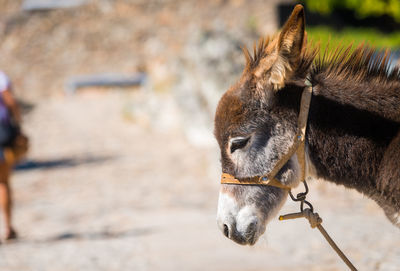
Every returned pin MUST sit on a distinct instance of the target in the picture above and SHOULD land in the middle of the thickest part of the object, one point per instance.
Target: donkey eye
(239, 143)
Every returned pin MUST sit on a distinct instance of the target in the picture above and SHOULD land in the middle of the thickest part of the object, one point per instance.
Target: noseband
(269, 179)
(296, 148)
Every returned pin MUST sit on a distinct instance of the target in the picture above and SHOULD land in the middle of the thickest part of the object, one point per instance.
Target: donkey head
(255, 123)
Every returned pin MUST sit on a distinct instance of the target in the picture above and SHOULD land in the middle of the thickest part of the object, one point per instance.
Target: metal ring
(300, 196)
(307, 203)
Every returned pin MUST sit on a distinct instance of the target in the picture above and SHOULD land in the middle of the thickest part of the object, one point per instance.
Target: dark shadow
(102, 235)
(60, 163)
(25, 107)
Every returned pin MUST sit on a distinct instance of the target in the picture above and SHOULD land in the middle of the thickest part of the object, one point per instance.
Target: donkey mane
(362, 78)
(365, 63)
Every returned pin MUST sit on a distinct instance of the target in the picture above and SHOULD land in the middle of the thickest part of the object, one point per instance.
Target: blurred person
(13, 146)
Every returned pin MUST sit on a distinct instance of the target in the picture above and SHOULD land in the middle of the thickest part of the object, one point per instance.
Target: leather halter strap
(296, 148)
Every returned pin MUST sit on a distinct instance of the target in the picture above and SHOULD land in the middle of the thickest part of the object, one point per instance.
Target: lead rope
(315, 222)
(298, 148)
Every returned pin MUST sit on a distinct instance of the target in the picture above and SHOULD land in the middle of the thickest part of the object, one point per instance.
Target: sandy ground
(100, 192)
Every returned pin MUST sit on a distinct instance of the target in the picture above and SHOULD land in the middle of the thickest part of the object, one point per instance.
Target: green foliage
(362, 8)
(252, 24)
(355, 36)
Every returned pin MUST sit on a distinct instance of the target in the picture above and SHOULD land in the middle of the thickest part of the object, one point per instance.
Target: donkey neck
(346, 143)
(377, 94)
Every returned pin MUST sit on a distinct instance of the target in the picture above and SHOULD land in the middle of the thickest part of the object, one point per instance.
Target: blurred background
(123, 171)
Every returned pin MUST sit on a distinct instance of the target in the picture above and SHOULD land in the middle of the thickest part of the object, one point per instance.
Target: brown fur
(353, 134)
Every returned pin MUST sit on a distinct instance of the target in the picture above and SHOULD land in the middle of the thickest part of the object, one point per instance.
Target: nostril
(252, 226)
(226, 230)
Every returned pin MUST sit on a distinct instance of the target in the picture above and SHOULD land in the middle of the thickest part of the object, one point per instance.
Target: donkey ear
(290, 44)
(292, 36)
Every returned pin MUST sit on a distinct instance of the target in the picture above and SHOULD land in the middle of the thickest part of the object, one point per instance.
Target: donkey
(353, 130)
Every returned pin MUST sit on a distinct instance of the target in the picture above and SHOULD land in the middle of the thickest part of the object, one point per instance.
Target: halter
(296, 148)
(269, 179)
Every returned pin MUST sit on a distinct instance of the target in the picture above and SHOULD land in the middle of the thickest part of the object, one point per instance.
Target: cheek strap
(296, 148)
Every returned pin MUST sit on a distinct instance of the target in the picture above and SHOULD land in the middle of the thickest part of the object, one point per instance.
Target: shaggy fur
(353, 133)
